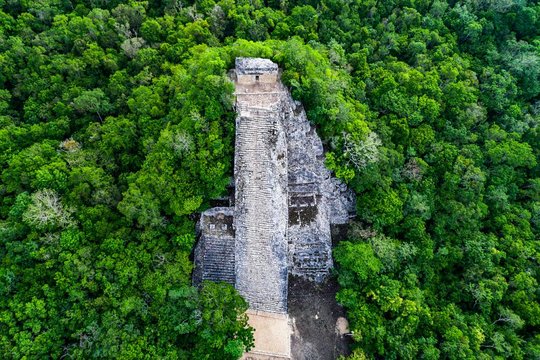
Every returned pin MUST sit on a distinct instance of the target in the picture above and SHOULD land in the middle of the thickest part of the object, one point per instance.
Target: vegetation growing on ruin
(116, 127)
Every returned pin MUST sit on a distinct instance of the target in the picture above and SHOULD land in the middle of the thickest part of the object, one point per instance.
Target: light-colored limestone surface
(272, 336)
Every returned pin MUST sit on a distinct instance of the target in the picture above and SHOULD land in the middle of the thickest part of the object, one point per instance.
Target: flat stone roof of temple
(255, 66)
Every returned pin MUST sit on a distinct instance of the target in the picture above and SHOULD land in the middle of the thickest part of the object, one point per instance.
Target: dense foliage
(116, 127)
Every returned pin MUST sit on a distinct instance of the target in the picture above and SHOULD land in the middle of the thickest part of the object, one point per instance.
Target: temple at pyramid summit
(285, 203)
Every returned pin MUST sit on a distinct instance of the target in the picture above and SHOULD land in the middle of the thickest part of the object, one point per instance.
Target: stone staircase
(262, 250)
(218, 259)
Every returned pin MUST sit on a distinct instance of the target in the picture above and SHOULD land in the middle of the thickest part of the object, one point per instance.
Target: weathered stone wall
(250, 71)
(310, 244)
(254, 79)
(306, 165)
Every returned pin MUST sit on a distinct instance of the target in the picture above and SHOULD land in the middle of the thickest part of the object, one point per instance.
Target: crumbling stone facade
(285, 199)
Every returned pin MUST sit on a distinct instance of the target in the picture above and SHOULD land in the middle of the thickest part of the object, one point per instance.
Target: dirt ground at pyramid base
(314, 314)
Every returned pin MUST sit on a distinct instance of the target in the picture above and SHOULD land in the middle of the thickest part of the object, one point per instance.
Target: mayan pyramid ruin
(285, 200)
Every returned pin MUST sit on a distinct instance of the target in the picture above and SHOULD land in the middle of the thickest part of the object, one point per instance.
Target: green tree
(92, 101)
